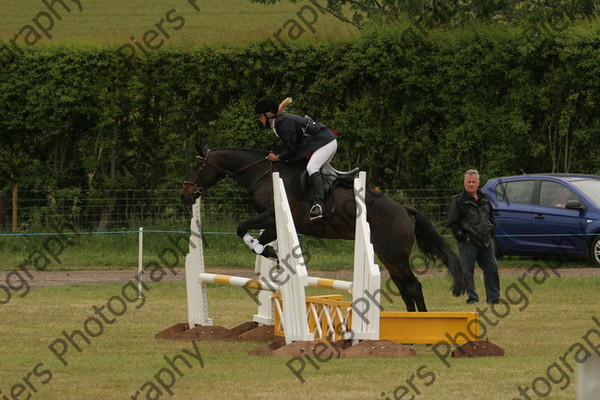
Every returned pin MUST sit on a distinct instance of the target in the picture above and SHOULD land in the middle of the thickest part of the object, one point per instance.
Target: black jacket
(300, 135)
(468, 218)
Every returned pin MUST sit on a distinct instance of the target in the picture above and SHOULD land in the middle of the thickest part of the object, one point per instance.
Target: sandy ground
(64, 278)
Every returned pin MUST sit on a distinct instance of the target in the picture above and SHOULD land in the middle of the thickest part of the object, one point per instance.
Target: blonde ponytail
(283, 105)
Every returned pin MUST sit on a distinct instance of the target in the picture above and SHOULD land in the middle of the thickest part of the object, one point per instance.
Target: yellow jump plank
(429, 327)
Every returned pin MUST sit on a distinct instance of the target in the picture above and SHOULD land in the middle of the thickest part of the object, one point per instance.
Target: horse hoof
(270, 253)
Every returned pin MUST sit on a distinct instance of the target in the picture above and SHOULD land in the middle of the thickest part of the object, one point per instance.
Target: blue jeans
(486, 258)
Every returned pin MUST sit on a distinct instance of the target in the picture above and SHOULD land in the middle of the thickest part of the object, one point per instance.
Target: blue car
(547, 215)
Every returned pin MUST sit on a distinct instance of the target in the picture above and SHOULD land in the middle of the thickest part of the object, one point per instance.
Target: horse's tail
(432, 245)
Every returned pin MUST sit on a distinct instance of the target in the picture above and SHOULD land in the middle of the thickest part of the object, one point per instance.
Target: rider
(302, 137)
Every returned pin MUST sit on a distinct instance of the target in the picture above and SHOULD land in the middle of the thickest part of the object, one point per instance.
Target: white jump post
(367, 277)
(194, 266)
(292, 273)
(263, 268)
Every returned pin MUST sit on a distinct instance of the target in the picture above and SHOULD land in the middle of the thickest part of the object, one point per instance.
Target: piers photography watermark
(155, 37)
(165, 378)
(557, 376)
(17, 281)
(70, 343)
(52, 12)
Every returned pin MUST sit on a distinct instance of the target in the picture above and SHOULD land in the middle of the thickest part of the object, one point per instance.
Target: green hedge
(413, 111)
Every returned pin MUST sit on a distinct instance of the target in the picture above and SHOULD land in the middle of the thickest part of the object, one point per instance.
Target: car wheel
(595, 252)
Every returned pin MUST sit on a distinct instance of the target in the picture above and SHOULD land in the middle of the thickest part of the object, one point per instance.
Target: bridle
(199, 190)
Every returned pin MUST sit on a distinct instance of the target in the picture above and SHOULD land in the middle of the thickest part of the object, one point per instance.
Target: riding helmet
(266, 105)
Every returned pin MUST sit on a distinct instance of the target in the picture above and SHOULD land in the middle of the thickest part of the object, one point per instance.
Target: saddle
(331, 179)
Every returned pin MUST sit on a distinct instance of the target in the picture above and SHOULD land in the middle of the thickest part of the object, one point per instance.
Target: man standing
(471, 219)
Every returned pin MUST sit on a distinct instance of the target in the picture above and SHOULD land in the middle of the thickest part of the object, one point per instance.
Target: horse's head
(203, 175)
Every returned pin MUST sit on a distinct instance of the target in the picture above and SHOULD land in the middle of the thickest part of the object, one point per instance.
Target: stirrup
(316, 211)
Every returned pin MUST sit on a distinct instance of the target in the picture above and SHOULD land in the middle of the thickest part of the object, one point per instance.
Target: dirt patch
(65, 278)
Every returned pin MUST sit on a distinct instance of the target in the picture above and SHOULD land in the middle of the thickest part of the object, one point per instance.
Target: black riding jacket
(301, 136)
(470, 218)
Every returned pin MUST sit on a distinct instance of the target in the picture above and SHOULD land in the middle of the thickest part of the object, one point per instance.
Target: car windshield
(589, 187)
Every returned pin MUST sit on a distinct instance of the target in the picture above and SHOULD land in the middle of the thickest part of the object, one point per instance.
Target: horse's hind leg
(396, 260)
(410, 288)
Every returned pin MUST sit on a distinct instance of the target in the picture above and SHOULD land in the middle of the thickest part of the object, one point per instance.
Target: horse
(392, 232)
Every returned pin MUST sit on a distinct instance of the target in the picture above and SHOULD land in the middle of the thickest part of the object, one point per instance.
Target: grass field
(184, 23)
(120, 251)
(123, 357)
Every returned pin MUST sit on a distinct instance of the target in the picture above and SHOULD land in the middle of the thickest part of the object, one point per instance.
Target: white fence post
(292, 274)
(140, 261)
(194, 266)
(367, 277)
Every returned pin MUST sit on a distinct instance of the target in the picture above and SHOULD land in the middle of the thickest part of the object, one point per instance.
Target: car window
(554, 194)
(515, 191)
(590, 187)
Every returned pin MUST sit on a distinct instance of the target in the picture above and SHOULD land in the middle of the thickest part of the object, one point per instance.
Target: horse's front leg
(265, 221)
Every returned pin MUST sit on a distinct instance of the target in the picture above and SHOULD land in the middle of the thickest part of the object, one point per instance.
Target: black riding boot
(316, 210)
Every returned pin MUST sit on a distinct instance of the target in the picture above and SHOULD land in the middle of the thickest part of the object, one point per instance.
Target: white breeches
(321, 156)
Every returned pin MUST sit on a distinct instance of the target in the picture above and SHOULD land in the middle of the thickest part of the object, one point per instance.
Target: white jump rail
(271, 286)
(239, 281)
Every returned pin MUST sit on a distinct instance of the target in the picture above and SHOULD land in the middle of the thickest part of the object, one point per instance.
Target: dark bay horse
(392, 232)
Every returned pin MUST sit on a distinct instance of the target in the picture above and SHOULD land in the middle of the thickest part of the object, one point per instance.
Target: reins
(260, 178)
(232, 174)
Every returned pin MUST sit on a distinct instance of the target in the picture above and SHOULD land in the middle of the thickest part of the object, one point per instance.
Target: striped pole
(270, 285)
(329, 283)
(239, 281)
